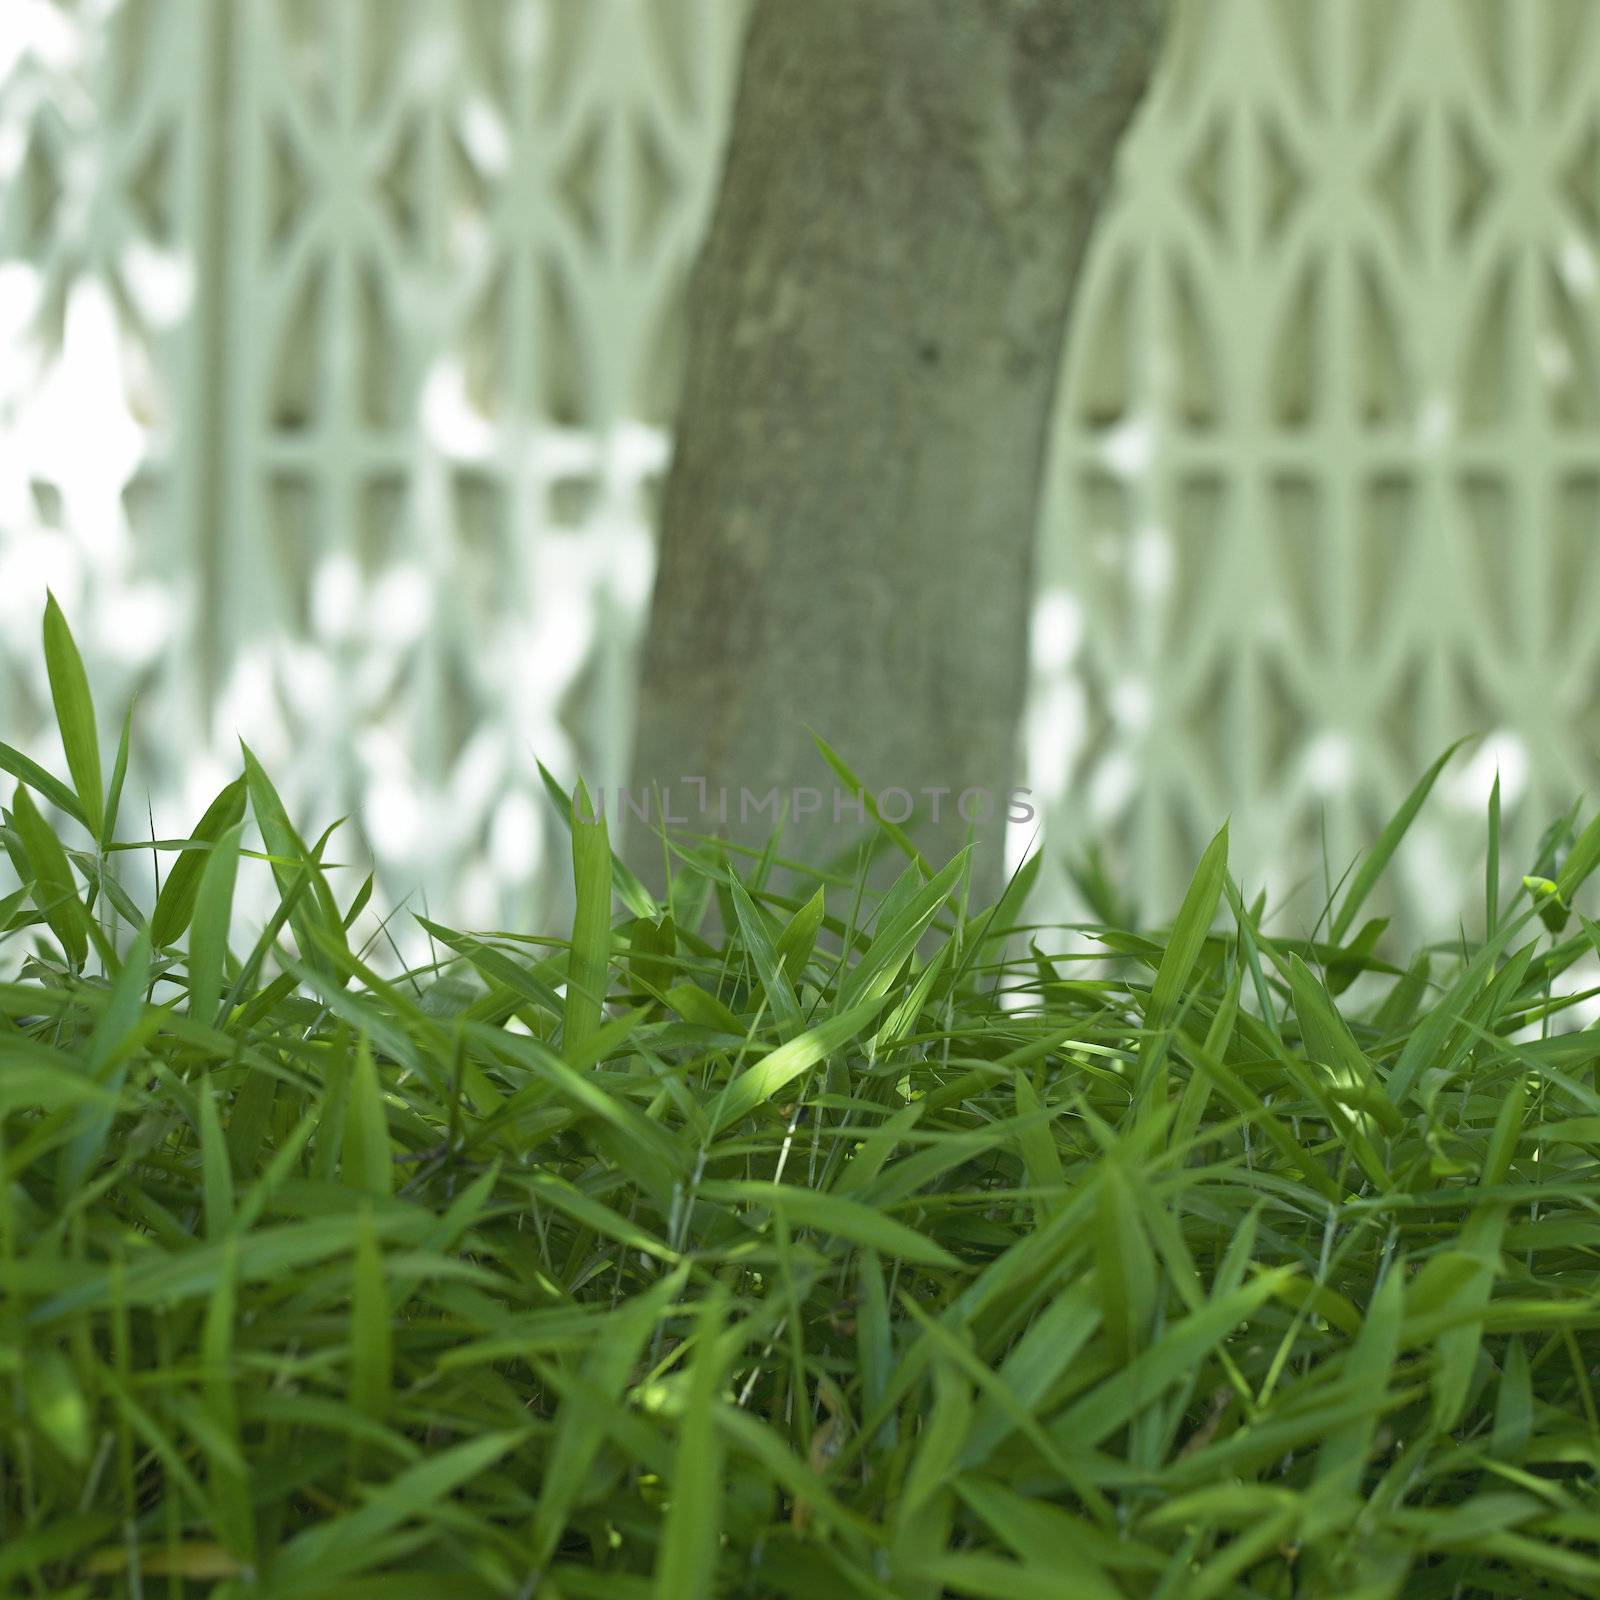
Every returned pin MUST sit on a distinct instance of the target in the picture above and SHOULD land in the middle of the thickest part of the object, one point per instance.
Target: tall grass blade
(212, 917)
(687, 1562)
(69, 689)
(54, 892)
(1378, 858)
(591, 924)
(313, 911)
(176, 902)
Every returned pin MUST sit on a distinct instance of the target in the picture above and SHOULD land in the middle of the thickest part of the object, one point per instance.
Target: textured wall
(1327, 493)
(337, 352)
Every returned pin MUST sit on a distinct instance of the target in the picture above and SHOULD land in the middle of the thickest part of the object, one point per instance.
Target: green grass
(870, 1247)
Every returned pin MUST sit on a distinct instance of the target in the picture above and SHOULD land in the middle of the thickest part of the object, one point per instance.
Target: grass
(872, 1247)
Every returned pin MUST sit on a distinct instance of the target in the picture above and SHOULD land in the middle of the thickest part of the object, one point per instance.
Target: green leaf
(781, 1001)
(782, 1066)
(54, 892)
(69, 689)
(1328, 1040)
(1427, 1038)
(548, 1189)
(1348, 963)
(122, 1029)
(587, 973)
(1172, 1357)
(630, 890)
(875, 1338)
(368, 1156)
(651, 949)
(371, 1328)
(903, 1019)
(1342, 1456)
(1189, 933)
(1513, 1411)
(315, 1557)
(873, 976)
(263, 1255)
(990, 1577)
(860, 791)
(212, 918)
(358, 902)
(639, 1144)
(290, 856)
(499, 968)
(1036, 1362)
(1581, 861)
(1456, 1352)
(1231, 1084)
(921, 1515)
(1043, 1535)
(799, 938)
(1491, 869)
(253, 1104)
(696, 1005)
(216, 1174)
(686, 1563)
(176, 902)
(119, 774)
(1003, 917)
(1388, 842)
(1041, 1160)
(229, 1472)
(581, 1421)
(1125, 1265)
(123, 1024)
(57, 1406)
(829, 1213)
(36, 778)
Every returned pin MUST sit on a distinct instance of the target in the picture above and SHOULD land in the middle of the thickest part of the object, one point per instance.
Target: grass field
(871, 1246)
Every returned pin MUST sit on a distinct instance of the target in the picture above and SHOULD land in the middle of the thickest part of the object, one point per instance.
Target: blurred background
(339, 342)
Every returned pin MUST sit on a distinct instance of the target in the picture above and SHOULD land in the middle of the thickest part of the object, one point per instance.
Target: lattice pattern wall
(386, 447)
(338, 346)
(1326, 492)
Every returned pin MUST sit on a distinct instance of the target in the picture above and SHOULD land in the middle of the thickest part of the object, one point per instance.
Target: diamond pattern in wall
(1324, 494)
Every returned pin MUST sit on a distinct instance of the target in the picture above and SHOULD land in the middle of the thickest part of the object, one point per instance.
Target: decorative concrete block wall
(338, 344)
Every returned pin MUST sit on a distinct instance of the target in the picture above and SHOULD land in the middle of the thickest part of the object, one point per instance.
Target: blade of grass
(1342, 1456)
(212, 917)
(591, 924)
(799, 938)
(686, 1563)
(1388, 842)
(119, 775)
(782, 1066)
(371, 1353)
(323, 1553)
(832, 1214)
(176, 902)
(630, 890)
(872, 977)
(54, 892)
(1491, 870)
(860, 792)
(368, 1154)
(37, 779)
(289, 857)
(769, 966)
(69, 689)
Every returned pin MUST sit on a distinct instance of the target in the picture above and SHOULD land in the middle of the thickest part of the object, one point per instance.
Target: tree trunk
(875, 332)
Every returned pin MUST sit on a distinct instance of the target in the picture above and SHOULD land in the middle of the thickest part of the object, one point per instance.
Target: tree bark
(875, 332)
